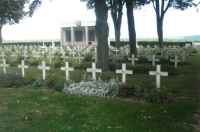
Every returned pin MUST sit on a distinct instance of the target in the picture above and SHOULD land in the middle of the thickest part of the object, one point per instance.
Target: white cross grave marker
(116, 51)
(4, 65)
(175, 61)
(43, 67)
(79, 58)
(133, 59)
(67, 69)
(124, 72)
(93, 70)
(73, 53)
(2, 55)
(25, 55)
(23, 66)
(37, 55)
(158, 73)
(13, 56)
(153, 60)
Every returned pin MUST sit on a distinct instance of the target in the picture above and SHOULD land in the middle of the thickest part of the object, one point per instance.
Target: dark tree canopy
(11, 12)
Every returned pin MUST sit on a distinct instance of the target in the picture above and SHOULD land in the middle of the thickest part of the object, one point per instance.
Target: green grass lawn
(32, 110)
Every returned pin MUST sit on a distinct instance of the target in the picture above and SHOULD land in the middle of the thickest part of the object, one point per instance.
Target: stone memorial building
(78, 33)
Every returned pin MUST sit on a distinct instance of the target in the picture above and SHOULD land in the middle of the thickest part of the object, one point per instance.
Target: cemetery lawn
(33, 110)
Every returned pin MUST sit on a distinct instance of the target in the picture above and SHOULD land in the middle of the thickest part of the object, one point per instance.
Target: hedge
(143, 43)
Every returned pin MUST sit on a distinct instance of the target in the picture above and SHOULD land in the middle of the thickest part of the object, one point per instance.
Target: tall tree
(130, 6)
(101, 12)
(161, 7)
(11, 11)
(131, 27)
(116, 8)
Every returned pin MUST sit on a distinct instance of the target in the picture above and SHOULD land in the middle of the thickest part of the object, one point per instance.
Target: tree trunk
(1, 39)
(159, 19)
(117, 38)
(131, 27)
(160, 30)
(117, 20)
(102, 30)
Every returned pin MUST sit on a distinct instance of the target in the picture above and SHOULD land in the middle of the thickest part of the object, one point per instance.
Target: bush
(59, 86)
(28, 81)
(159, 96)
(126, 90)
(51, 81)
(171, 70)
(11, 80)
(34, 63)
(88, 57)
(58, 63)
(83, 65)
(112, 66)
(38, 83)
(144, 69)
(142, 60)
(150, 93)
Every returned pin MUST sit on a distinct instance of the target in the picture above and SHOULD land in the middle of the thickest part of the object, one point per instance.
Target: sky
(45, 22)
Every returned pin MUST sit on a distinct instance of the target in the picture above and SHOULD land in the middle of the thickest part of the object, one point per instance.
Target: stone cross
(50, 56)
(63, 53)
(67, 69)
(2, 55)
(158, 73)
(133, 59)
(184, 55)
(43, 52)
(37, 55)
(64, 58)
(93, 70)
(95, 58)
(73, 53)
(13, 56)
(23, 66)
(79, 58)
(43, 67)
(176, 60)
(153, 60)
(4, 65)
(124, 72)
(116, 51)
(25, 55)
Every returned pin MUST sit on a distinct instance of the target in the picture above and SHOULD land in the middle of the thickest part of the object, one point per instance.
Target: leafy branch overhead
(34, 6)
(11, 12)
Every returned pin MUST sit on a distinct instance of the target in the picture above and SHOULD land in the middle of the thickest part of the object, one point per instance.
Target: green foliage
(83, 65)
(144, 69)
(11, 80)
(51, 81)
(88, 57)
(58, 63)
(112, 66)
(38, 83)
(142, 60)
(20, 58)
(148, 91)
(59, 86)
(159, 96)
(172, 71)
(34, 62)
(12, 11)
(28, 81)
(126, 91)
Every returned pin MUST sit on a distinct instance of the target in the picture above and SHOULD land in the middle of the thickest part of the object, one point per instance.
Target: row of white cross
(94, 70)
